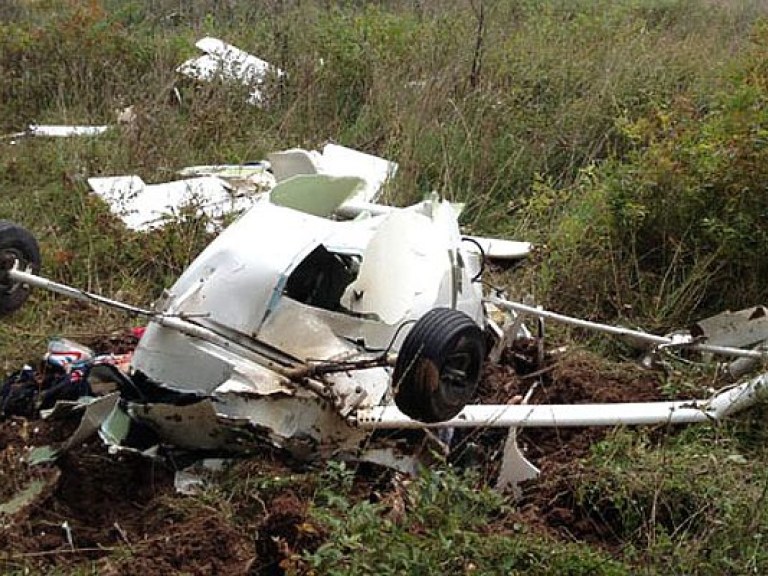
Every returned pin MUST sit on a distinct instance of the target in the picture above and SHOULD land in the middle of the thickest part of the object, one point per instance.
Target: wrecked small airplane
(319, 316)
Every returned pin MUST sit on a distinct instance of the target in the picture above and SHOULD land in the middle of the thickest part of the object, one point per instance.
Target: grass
(625, 138)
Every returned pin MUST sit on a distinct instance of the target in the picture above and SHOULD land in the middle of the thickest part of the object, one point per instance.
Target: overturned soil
(121, 514)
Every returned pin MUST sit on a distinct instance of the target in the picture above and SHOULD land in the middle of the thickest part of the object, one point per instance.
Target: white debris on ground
(228, 63)
(143, 206)
(219, 190)
(243, 178)
(55, 131)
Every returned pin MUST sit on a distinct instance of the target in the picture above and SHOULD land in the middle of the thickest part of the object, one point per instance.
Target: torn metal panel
(194, 426)
(404, 262)
(171, 358)
(317, 195)
(515, 467)
(95, 412)
(336, 160)
(300, 424)
(115, 427)
(294, 162)
(305, 336)
(229, 63)
(743, 328)
(244, 376)
(143, 207)
(368, 333)
(413, 263)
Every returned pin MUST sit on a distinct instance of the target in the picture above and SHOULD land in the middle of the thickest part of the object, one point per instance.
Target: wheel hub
(9, 259)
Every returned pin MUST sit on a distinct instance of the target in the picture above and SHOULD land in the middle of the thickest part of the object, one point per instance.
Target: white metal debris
(222, 189)
(56, 131)
(229, 63)
(142, 206)
(335, 160)
(65, 131)
(742, 328)
(515, 467)
(247, 179)
(313, 294)
(498, 249)
(748, 327)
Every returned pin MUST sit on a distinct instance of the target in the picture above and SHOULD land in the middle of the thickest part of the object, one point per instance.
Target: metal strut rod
(661, 341)
(568, 415)
(16, 275)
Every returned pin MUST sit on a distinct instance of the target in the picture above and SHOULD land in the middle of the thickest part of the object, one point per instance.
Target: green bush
(675, 227)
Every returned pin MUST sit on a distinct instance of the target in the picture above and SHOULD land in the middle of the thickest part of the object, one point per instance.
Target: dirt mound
(580, 379)
(94, 503)
(549, 504)
(120, 513)
(285, 533)
(574, 378)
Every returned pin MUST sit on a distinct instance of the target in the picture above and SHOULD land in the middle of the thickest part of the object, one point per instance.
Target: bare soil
(121, 511)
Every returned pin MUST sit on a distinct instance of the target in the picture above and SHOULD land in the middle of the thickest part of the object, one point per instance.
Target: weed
(444, 528)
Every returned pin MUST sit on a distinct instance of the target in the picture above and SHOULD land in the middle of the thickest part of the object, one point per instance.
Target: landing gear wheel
(439, 365)
(18, 248)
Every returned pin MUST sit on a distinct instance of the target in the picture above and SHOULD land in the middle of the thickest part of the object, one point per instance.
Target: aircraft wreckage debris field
(113, 502)
(427, 287)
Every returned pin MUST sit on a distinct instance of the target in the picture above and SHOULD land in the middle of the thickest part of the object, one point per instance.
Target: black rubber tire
(438, 366)
(17, 244)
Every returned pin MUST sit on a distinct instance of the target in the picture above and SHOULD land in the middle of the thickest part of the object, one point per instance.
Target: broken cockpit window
(321, 278)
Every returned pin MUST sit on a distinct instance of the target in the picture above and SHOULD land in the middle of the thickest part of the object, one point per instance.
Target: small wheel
(439, 365)
(17, 248)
